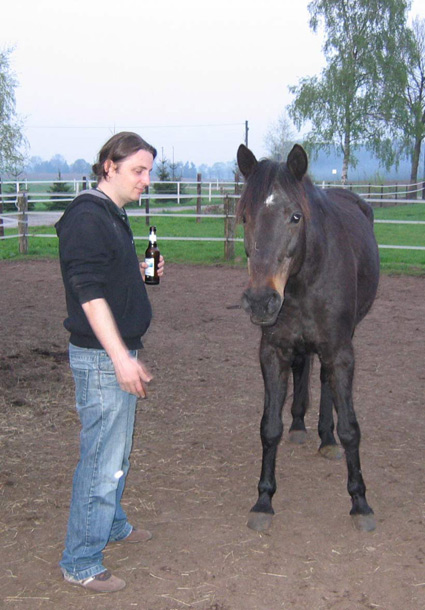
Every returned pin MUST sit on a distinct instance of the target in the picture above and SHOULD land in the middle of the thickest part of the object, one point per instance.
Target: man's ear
(109, 167)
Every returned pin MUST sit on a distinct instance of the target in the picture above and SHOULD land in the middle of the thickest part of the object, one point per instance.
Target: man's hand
(132, 375)
(144, 266)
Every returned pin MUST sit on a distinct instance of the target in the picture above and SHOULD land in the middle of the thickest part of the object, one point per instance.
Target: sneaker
(105, 582)
(136, 536)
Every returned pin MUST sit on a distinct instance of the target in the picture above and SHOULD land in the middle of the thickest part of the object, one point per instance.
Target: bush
(58, 187)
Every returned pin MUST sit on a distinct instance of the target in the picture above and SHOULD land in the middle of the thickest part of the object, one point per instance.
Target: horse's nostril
(263, 304)
(273, 303)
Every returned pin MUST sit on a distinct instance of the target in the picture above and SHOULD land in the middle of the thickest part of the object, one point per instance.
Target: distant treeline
(323, 166)
(37, 167)
(327, 166)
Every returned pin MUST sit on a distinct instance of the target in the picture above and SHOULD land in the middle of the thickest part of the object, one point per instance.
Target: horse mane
(260, 183)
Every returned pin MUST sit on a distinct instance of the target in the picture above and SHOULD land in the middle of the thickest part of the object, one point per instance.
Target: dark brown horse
(314, 270)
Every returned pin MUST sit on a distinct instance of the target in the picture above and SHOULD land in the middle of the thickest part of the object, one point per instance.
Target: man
(108, 313)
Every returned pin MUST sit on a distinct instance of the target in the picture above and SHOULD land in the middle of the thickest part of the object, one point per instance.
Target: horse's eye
(244, 219)
(295, 218)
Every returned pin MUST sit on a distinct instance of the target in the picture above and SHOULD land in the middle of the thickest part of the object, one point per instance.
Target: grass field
(404, 261)
(212, 252)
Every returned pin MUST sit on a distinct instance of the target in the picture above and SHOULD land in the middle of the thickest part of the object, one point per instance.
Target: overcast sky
(185, 75)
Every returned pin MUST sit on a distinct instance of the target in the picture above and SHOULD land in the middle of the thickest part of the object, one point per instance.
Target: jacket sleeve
(86, 253)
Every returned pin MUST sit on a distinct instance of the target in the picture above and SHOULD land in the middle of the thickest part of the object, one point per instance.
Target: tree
(189, 170)
(165, 186)
(351, 103)
(58, 189)
(59, 164)
(279, 138)
(81, 166)
(409, 112)
(12, 139)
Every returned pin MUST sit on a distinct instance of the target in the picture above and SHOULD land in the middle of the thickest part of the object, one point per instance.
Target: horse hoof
(260, 522)
(364, 523)
(298, 437)
(331, 452)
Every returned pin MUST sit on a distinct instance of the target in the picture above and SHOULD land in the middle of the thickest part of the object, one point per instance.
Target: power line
(185, 126)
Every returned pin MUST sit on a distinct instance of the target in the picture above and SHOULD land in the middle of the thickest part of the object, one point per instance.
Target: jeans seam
(96, 459)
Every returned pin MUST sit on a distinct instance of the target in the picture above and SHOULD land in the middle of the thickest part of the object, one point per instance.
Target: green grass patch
(199, 252)
(212, 252)
(413, 211)
(401, 261)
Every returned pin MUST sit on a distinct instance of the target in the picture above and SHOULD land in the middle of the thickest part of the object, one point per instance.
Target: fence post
(23, 222)
(238, 186)
(147, 206)
(198, 199)
(229, 228)
(1, 209)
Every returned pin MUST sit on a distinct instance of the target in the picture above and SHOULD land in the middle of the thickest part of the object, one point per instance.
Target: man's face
(129, 178)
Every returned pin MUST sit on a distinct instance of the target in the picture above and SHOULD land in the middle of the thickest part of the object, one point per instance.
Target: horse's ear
(297, 161)
(246, 160)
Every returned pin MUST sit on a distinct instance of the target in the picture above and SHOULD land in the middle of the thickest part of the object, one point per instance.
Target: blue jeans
(107, 418)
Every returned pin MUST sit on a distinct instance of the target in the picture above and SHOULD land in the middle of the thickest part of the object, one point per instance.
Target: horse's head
(273, 209)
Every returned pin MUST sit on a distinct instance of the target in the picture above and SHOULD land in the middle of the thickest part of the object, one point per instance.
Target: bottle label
(150, 271)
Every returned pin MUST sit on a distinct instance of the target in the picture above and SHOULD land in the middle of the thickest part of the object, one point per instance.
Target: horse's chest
(300, 328)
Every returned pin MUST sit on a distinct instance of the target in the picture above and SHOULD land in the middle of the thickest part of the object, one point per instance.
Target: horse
(313, 267)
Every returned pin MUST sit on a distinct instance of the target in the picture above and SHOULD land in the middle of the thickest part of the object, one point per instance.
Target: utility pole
(246, 133)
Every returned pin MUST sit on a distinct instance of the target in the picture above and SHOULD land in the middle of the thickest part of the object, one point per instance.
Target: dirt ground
(197, 456)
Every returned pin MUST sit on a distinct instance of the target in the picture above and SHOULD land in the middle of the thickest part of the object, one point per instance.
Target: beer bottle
(152, 259)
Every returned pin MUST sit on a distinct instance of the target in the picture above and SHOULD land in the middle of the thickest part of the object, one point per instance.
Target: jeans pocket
(81, 378)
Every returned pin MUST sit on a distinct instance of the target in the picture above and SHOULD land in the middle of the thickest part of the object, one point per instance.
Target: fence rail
(375, 193)
(21, 220)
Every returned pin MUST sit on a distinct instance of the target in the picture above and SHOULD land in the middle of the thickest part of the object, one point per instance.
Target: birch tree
(11, 137)
(280, 138)
(351, 102)
(409, 114)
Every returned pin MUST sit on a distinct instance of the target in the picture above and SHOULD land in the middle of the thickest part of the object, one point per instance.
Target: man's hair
(118, 148)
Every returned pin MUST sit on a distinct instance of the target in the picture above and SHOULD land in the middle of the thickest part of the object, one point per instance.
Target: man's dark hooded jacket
(98, 260)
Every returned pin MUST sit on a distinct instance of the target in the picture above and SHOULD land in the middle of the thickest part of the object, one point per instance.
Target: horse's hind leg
(301, 375)
(328, 447)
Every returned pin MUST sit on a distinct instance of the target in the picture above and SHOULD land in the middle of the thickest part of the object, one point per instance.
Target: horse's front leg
(275, 374)
(340, 376)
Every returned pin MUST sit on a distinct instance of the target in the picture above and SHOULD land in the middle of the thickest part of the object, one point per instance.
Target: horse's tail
(365, 207)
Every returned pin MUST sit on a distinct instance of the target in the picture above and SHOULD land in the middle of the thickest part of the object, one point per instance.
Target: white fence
(205, 193)
(181, 192)
(376, 194)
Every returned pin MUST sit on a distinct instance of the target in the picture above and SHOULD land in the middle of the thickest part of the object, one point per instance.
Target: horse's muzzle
(263, 305)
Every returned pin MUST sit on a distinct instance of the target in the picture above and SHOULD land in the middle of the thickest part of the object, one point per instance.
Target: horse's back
(345, 198)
